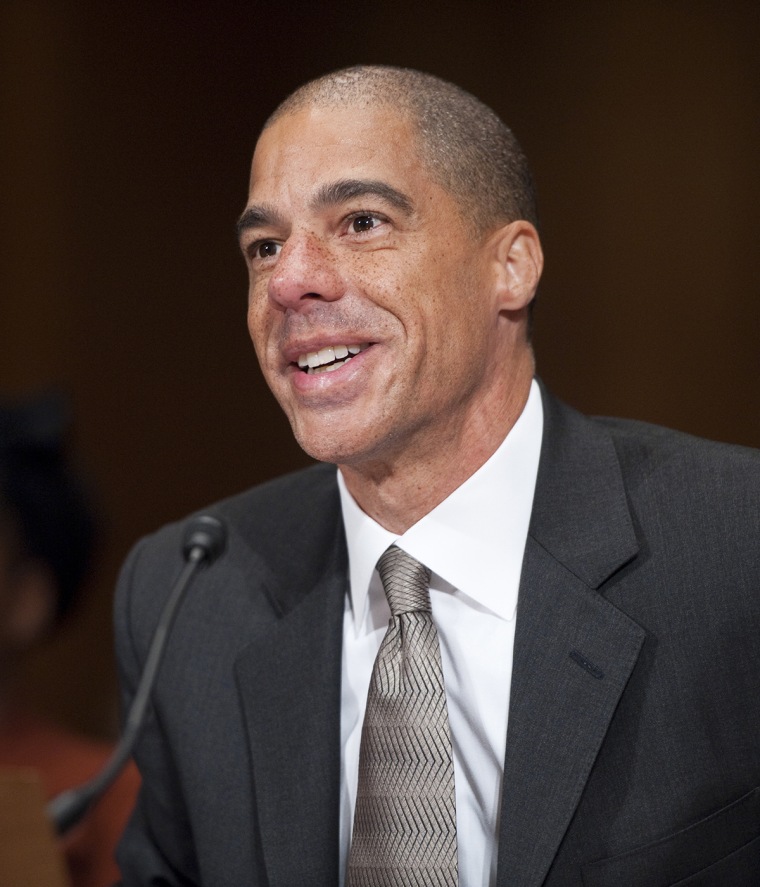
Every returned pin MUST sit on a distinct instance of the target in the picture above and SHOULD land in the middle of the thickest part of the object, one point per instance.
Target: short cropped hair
(467, 148)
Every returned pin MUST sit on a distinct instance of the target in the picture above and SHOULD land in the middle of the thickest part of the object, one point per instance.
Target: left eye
(362, 224)
(267, 249)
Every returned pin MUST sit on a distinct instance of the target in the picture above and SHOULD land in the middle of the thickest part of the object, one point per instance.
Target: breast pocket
(721, 850)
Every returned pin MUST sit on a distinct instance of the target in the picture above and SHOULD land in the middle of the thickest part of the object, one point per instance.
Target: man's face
(370, 303)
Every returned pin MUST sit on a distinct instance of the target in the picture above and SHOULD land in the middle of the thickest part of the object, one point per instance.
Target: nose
(306, 270)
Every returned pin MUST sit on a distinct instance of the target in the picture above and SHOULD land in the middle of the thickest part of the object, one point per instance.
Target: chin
(323, 445)
(328, 443)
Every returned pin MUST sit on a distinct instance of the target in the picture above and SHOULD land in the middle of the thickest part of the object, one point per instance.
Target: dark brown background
(126, 135)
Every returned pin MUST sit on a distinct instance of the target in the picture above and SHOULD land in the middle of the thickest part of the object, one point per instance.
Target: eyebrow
(344, 190)
(333, 194)
(257, 216)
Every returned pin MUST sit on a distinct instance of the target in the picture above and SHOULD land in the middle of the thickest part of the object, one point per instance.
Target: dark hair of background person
(43, 503)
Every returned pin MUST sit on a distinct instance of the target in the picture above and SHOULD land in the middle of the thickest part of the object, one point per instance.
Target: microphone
(204, 541)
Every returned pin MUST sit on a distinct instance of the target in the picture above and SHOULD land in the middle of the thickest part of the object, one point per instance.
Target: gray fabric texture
(634, 717)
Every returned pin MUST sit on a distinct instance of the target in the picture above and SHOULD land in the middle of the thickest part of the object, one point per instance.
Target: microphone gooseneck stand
(204, 541)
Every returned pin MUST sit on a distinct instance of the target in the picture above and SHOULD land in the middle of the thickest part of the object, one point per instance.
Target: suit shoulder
(654, 447)
(644, 452)
(277, 511)
(665, 438)
(703, 485)
(282, 498)
(271, 529)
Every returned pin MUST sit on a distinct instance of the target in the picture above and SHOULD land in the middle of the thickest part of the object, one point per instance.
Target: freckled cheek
(259, 324)
(391, 280)
(257, 290)
(258, 295)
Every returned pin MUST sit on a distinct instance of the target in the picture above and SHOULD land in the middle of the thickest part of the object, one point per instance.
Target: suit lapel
(289, 681)
(574, 651)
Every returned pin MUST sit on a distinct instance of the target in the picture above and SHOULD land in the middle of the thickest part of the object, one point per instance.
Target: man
(593, 583)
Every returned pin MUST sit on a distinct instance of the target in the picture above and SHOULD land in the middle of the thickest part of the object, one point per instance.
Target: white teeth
(332, 357)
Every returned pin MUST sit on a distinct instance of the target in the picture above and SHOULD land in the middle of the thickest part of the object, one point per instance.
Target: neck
(400, 491)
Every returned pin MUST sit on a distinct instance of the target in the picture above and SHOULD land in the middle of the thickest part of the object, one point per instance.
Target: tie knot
(405, 580)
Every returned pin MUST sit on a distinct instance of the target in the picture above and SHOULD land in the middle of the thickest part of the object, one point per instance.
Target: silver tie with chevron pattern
(405, 819)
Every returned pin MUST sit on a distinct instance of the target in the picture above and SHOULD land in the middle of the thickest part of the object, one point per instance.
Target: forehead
(306, 148)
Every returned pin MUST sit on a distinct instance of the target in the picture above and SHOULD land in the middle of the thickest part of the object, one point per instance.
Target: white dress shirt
(473, 543)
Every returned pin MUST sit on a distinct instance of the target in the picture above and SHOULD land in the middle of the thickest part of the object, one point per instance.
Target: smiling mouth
(328, 359)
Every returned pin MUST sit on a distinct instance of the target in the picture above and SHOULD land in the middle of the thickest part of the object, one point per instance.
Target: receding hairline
(332, 92)
(358, 85)
(466, 147)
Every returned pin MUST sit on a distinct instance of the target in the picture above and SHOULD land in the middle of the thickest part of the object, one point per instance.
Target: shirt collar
(475, 538)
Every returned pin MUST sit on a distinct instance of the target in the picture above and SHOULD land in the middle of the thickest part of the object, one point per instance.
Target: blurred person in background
(47, 535)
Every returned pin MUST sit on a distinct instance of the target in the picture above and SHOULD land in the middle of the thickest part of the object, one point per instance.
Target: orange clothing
(63, 761)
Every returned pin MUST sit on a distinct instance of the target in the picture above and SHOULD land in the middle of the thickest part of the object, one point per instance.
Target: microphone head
(207, 533)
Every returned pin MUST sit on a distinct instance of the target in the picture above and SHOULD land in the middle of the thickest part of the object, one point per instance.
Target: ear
(30, 608)
(518, 263)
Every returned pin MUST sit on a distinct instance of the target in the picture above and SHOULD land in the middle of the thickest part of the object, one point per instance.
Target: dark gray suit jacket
(633, 753)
